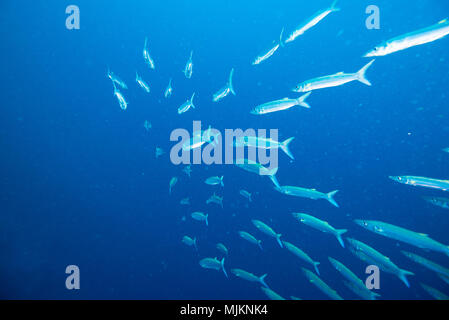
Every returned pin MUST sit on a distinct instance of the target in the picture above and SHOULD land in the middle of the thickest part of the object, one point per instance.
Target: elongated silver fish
(223, 92)
(142, 83)
(169, 90)
(371, 256)
(408, 40)
(116, 80)
(250, 238)
(282, 104)
(320, 225)
(215, 199)
(270, 52)
(312, 21)
(255, 167)
(121, 99)
(271, 294)
(268, 231)
(419, 240)
(146, 55)
(222, 248)
(212, 181)
(427, 263)
(246, 194)
(215, 264)
(334, 80)
(436, 294)
(301, 255)
(199, 216)
(189, 241)
(264, 143)
(422, 182)
(187, 105)
(355, 283)
(249, 276)
(172, 183)
(308, 193)
(438, 201)
(188, 69)
(321, 285)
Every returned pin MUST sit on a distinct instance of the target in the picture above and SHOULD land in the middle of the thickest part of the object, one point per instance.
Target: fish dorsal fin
(286, 98)
(442, 21)
(339, 73)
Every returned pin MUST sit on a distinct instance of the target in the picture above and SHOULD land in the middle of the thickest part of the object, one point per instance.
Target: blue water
(80, 183)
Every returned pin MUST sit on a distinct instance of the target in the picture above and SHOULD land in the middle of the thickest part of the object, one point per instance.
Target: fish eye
(365, 223)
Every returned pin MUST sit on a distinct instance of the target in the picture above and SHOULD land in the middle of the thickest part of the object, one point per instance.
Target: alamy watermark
(73, 20)
(219, 149)
(373, 20)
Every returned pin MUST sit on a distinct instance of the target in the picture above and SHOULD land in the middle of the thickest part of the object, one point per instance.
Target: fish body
(427, 263)
(411, 39)
(199, 216)
(334, 80)
(215, 199)
(121, 99)
(436, 294)
(249, 276)
(271, 294)
(354, 282)
(172, 183)
(146, 55)
(187, 170)
(116, 80)
(264, 143)
(185, 201)
(189, 241)
(187, 105)
(250, 238)
(422, 182)
(213, 263)
(320, 225)
(246, 194)
(438, 201)
(308, 193)
(169, 90)
(371, 256)
(267, 230)
(321, 285)
(142, 83)
(419, 240)
(188, 69)
(228, 88)
(301, 255)
(159, 152)
(311, 22)
(282, 104)
(257, 168)
(212, 181)
(222, 248)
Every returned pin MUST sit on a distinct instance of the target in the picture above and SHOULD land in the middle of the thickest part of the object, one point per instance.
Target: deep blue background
(80, 183)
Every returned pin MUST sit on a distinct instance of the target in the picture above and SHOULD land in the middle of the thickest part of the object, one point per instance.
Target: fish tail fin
(194, 243)
(339, 238)
(207, 222)
(302, 100)
(262, 280)
(330, 197)
(334, 7)
(221, 181)
(361, 73)
(278, 239)
(191, 100)
(284, 147)
(275, 181)
(402, 275)
(281, 43)
(315, 265)
(259, 243)
(230, 85)
(223, 268)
